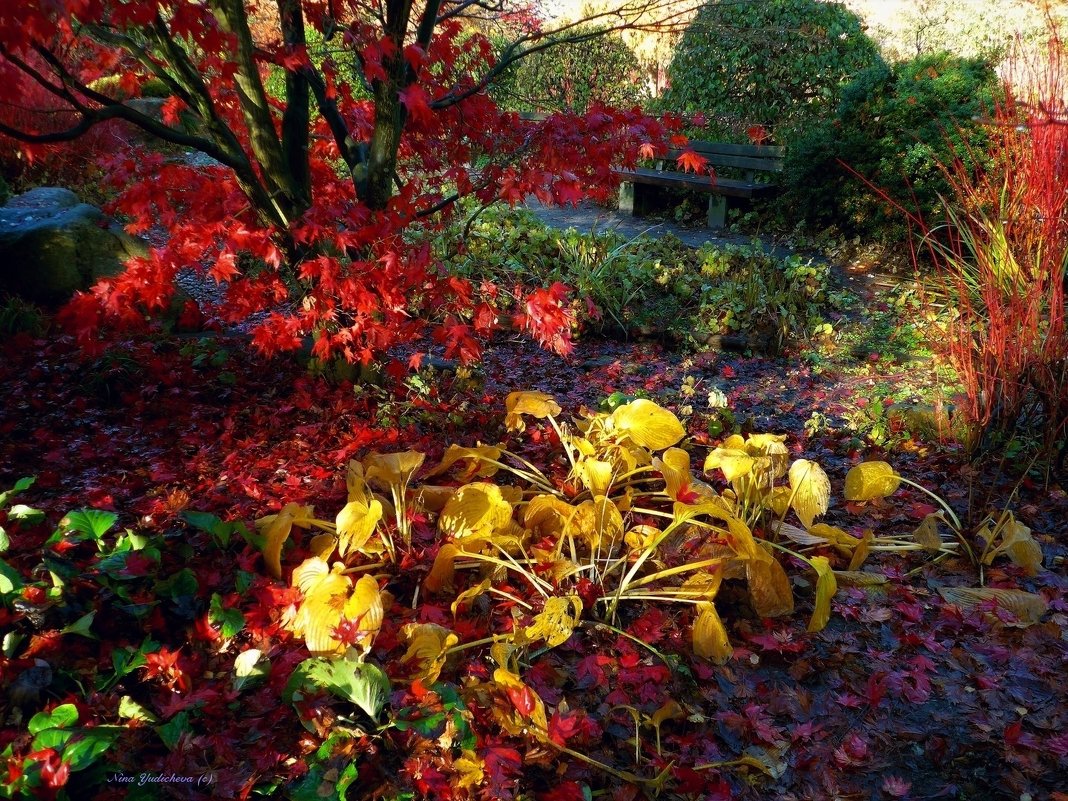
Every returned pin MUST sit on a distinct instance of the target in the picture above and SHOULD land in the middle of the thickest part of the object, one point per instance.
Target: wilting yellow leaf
(870, 480)
(469, 771)
(742, 541)
(322, 545)
(648, 425)
(826, 587)
(641, 537)
(704, 585)
(811, 488)
(275, 535)
(356, 523)
(596, 521)
(834, 535)
(525, 700)
(799, 535)
(769, 586)
(475, 511)
(427, 644)
(536, 404)
(1027, 606)
(773, 446)
(710, 640)
(778, 500)
(433, 498)
(862, 551)
(480, 461)
(392, 469)
(733, 462)
(355, 482)
(546, 515)
(469, 595)
(595, 475)
(1015, 541)
(858, 578)
(441, 573)
(669, 710)
(926, 534)
(556, 621)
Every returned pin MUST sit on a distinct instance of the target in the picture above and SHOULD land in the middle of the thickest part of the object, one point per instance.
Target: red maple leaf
(690, 161)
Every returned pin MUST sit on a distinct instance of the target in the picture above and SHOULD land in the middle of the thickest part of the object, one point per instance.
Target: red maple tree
(316, 208)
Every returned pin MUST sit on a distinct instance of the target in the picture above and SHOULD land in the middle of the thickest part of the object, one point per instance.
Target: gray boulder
(52, 245)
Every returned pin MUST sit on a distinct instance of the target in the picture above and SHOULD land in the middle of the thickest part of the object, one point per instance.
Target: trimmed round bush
(780, 64)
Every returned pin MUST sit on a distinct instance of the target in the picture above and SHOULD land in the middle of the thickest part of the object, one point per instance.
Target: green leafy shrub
(647, 285)
(18, 316)
(780, 64)
(573, 76)
(895, 126)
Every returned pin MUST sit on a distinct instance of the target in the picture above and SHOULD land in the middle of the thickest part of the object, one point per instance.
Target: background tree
(318, 187)
(776, 63)
(571, 78)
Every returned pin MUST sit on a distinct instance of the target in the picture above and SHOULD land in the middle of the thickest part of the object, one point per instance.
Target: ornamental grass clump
(1002, 256)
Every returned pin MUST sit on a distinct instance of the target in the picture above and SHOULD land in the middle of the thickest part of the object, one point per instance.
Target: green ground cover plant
(646, 285)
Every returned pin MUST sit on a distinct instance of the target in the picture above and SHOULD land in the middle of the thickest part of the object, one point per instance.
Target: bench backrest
(759, 158)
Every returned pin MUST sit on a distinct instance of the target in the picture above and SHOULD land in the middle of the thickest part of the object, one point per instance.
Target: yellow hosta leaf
(469, 595)
(710, 640)
(1016, 542)
(356, 523)
(926, 534)
(480, 461)
(769, 586)
(704, 585)
(862, 551)
(778, 500)
(772, 446)
(433, 498)
(442, 571)
(799, 535)
(595, 475)
(527, 702)
(641, 537)
(392, 469)
(427, 644)
(365, 609)
(326, 591)
(546, 515)
(674, 466)
(1026, 553)
(858, 578)
(743, 543)
(669, 710)
(1029, 607)
(834, 535)
(356, 482)
(322, 545)
(536, 404)
(597, 522)
(277, 532)
(556, 621)
(870, 480)
(648, 425)
(475, 511)
(826, 587)
(469, 770)
(732, 462)
(811, 489)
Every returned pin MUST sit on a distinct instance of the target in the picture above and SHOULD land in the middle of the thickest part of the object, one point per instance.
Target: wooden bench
(742, 171)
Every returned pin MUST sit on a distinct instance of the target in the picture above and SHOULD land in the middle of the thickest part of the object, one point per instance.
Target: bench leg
(626, 198)
(717, 212)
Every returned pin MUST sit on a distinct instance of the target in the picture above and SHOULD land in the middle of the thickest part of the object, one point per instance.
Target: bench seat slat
(678, 180)
(730, 160)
